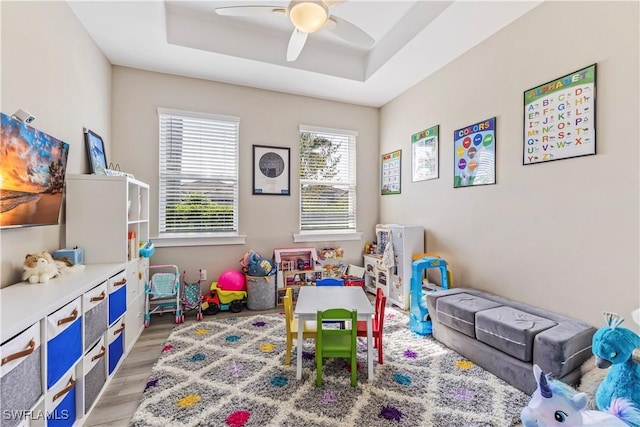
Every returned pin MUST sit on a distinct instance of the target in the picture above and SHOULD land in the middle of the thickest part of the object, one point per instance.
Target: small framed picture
(271, 170)
(95, 153)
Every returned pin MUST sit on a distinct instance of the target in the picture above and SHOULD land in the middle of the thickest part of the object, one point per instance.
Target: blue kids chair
(330, 281)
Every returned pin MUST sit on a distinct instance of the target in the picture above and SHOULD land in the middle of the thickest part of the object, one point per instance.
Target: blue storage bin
(117, 296)
(61, 402)
(64, 340)
(116, 345)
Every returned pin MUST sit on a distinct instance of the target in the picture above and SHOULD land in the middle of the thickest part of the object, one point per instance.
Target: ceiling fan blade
(331, 3)
(251, 10)
(349, 32)
(296, 43)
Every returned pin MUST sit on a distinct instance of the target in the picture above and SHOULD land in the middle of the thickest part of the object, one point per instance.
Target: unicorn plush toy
(613, 347)
(556, 404)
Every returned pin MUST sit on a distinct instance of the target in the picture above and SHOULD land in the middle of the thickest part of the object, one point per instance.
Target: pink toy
(232, 280)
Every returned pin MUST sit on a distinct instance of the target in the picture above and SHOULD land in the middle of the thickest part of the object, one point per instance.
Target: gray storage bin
(261, 292)
(95, 307)
(95, 376)
(20, 371)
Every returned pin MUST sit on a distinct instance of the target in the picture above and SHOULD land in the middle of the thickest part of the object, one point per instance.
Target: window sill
(326, 236)
(200, 240)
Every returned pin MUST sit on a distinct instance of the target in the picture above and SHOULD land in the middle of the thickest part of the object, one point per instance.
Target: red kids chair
(378, 323)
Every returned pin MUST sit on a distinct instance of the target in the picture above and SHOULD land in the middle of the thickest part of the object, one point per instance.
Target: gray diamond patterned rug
(231, 373)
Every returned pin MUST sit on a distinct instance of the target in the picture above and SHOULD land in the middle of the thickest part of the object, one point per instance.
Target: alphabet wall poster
(559, 118)
(475, 154)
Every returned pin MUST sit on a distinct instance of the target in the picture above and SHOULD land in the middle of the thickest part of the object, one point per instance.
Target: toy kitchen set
(394, 280)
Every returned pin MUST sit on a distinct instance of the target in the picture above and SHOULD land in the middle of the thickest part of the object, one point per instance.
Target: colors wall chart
(475, 154)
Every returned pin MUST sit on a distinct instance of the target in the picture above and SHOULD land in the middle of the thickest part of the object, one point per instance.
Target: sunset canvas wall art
(32, 173)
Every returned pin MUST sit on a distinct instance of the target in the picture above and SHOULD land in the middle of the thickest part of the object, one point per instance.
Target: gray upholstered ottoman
(556, 343)
(510, 330)
(458, 311)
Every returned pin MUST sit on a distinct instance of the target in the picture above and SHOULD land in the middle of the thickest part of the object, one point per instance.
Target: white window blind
(198, 173)
(327, 179)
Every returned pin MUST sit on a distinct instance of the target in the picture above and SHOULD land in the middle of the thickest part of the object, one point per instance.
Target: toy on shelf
(419, 318)
(147, 249)
(227, 294)
(613, 347)
(556, 404)
(354, 276)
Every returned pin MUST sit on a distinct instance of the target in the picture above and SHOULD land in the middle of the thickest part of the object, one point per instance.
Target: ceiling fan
(307, 17)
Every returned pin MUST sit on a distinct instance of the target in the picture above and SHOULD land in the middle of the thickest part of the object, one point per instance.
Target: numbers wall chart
(475, 154)
(559, 118)
(391, 173)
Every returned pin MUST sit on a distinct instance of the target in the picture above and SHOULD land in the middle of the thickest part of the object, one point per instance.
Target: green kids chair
(336, 342)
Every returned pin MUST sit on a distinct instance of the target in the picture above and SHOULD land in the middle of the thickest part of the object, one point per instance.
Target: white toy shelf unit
(395, 280)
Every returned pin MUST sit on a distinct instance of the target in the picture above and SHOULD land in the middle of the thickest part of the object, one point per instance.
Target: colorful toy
(613, 347)
(232, 280)
(162, 293)
(556, 404)
(419, 318)
(191, 297)
(220, 300)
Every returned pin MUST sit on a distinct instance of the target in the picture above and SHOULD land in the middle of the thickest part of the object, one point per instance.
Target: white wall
(53, 69)
(561, 235)
(266, 118)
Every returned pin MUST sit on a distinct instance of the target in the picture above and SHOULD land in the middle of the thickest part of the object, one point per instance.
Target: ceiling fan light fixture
(308, 16)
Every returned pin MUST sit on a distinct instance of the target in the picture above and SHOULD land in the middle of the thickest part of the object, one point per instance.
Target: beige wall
(51, 68)
(561, 235)
(266, 118)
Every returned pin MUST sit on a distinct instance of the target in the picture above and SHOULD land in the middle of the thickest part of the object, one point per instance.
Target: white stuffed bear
(41, 267)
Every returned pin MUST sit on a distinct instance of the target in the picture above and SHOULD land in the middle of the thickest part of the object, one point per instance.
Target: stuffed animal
(613, 347)
(41, 267)
(556, 404)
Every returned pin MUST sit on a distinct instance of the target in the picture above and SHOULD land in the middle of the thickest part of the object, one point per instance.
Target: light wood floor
(122, 396)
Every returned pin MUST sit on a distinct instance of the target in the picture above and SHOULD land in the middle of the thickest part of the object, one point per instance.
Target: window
(327, 180)
(198, 174)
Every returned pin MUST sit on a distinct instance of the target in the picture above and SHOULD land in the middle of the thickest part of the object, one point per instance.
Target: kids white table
(312, 298)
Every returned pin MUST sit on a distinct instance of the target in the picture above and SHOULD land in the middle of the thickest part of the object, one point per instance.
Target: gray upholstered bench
(506, 337)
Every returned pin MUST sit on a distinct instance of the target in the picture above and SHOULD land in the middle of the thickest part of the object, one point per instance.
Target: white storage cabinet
(52, 371)
(102, 213)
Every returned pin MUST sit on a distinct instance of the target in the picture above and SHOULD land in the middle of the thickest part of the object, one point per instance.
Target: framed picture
(424, 154)
(560, 118)
(391, 168)
(271, 170)
(95, 153)
(474, 152)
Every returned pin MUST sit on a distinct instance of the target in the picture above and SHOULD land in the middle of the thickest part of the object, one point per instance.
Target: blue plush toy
(613, 347)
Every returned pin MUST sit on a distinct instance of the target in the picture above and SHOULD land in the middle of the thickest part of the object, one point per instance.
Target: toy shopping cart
(191, 297)
(162, 293)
